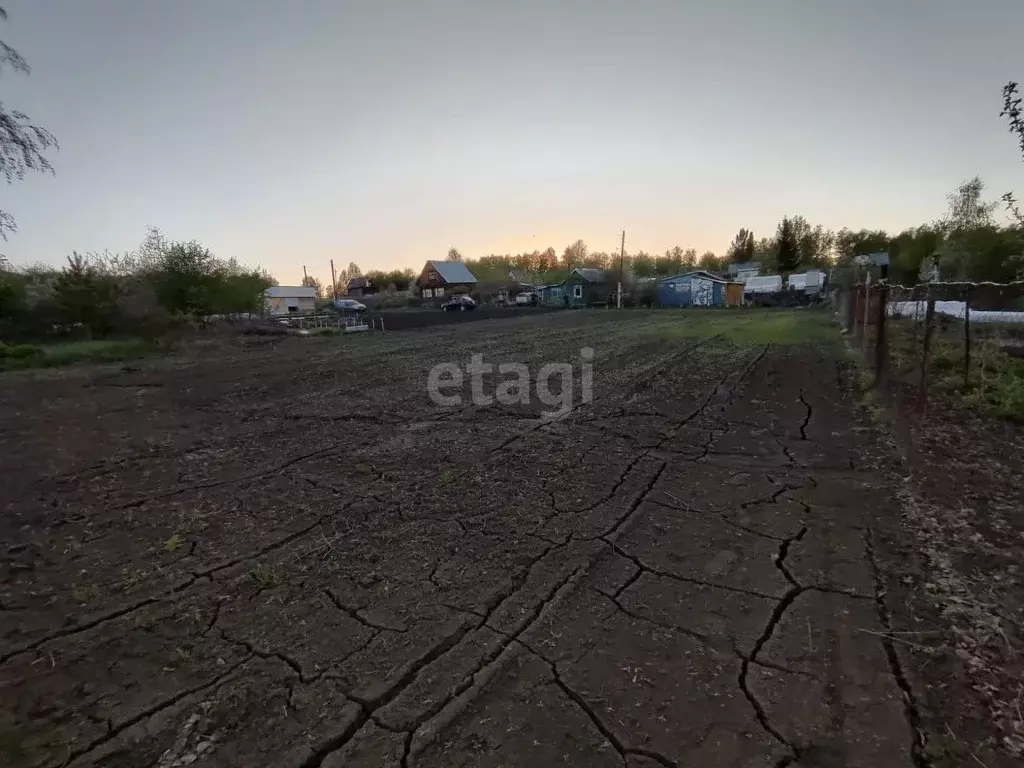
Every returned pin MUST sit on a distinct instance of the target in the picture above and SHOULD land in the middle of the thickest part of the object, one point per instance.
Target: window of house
(577, 291)
(427, 293)
(439, 292)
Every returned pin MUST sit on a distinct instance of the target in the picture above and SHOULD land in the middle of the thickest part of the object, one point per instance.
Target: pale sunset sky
(385, 131)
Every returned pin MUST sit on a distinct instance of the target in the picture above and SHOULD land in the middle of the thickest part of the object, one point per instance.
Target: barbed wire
(960, 283)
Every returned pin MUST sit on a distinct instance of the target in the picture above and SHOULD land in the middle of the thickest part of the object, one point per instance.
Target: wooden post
(850, 310)
(622, 266)
(929, 318)
(914, 303)
(967, 337)
(881, 341)
(867, 315)
(334, 282)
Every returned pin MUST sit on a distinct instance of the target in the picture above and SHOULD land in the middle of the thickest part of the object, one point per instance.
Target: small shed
(586, 287)
(699, 289)
(289, 299)
(552, 295)
(444, 278)
(360, 286)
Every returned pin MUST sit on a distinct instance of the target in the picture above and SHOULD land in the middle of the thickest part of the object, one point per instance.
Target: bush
(22, 351)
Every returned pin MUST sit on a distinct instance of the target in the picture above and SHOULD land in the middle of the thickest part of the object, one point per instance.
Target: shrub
(23, 351)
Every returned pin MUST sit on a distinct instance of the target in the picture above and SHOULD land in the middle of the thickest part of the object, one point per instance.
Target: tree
(22, 144)
(967, 228)
(574, 254)
(311, 282)
(644, 265)
(85, 296)
(788, 248)
(849, 244)
(548, 260)
(12, 296)
(709, 261)
(910, 253)
(453, 254)
(816, 245)
(742, 248)
(183, 281)
(766, 254)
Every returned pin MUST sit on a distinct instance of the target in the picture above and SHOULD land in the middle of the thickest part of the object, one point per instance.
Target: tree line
(969, 242)
(142, 292)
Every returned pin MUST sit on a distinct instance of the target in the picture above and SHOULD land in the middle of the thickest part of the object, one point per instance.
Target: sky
(386, 131)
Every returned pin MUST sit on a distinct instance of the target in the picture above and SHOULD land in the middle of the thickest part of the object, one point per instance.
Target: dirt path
(288, 556)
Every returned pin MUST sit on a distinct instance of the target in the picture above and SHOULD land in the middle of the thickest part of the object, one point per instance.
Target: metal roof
(590, 274)
(702, 273)
(743, 266)
(290, 292)
(453, 271)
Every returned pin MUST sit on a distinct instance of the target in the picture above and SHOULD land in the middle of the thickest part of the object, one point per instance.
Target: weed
(174, 543)
(264, 576)
(83, 593)
(447, 477)
(132, 577)
(195, 521)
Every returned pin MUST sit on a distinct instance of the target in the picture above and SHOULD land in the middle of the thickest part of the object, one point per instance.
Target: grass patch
(749, 327)
(24, 356)
(995, 384)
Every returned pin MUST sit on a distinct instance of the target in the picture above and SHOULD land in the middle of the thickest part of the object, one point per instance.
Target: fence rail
(957, 338)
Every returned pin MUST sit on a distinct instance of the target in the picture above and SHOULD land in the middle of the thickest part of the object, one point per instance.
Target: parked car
(349, 305)
(458, 304)
(526, 299)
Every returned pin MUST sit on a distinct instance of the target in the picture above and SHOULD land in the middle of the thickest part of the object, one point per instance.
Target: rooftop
(290, 292)
(453, 271)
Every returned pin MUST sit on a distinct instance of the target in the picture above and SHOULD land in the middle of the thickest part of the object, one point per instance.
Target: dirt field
(282, 553)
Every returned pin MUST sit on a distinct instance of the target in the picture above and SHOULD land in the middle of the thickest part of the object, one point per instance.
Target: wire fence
(934, 339)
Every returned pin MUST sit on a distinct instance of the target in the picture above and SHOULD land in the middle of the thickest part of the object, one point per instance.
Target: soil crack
(917, 745)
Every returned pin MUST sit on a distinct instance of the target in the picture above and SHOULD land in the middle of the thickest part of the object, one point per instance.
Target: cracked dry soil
(286, 555)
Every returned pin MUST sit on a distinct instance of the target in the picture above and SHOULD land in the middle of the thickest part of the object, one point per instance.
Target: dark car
(458, 304)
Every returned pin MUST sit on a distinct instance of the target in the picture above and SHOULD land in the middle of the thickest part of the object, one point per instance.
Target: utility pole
(305, 277)
(622, 262)
(334, 281)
